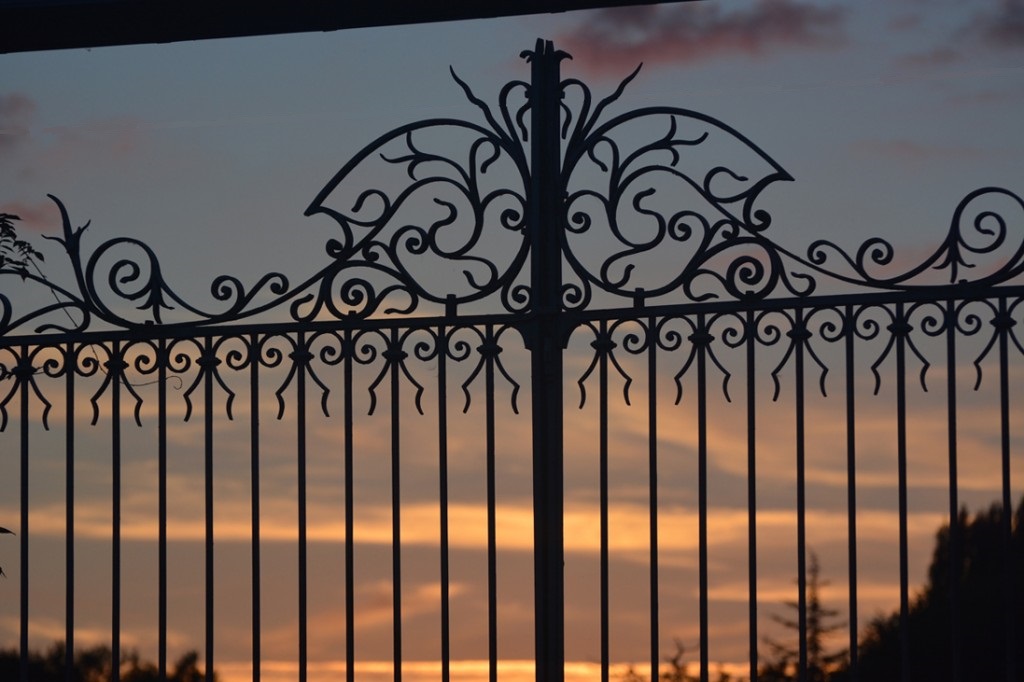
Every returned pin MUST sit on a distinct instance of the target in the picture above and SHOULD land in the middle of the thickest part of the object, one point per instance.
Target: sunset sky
(885, 112)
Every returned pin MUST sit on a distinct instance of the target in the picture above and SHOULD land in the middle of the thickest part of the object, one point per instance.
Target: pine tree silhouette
(783, 663)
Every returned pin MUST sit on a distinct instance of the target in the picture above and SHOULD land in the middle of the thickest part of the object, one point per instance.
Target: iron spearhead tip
(544, 48)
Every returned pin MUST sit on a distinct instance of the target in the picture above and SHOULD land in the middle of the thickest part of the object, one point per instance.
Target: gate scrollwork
(648, 210)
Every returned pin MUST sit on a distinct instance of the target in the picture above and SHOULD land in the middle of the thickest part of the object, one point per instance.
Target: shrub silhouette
(16, 255)
(96, 665)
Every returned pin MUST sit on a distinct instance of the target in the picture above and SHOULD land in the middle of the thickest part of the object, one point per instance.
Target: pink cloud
(118, 136)
(916, 153)
(939, 56)
(30, 149)
(39, 217)
(37, 152)
(16, 113)
(612, 40)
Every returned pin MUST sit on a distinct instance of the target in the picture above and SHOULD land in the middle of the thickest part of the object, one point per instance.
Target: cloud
(997, 25)
(16, 114)
(371, 670)
(29, 148)
(614, 39)
(116, 138)
(1002, 26)
(905, 22)
(41, 217)
(914, 153)
(939, 56)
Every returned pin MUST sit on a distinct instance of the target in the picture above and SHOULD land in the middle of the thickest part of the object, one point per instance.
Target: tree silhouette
(678, 670)
(96, 665)
(15, 254)
(990, 618)
(783, 664)
(990, 621)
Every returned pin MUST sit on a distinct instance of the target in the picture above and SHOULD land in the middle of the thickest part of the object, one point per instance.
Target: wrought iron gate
(553, 227)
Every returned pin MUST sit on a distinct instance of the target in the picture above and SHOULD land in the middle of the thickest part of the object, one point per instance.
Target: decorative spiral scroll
(984, 247)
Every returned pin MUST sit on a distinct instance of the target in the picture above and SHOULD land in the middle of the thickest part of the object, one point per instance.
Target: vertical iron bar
(652, 467)
(702, 339)
(115, 368)
(350, 609)
(301, 360)
(208, 369)
(954, 502)
(901, 329)
(603, 351)
(1005, 322)
(799, 334)
(394, 349)
(545, 224)
(492, 534)
(163, 359)
(442, 449)
(751, 341)
(849, 336)
(25, 371)
(70, 366)
(254, 497)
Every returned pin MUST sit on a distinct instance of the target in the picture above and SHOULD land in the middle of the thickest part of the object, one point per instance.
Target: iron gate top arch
(644, 194)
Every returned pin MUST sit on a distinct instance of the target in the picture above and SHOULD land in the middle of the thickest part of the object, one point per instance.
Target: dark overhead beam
(28, 25)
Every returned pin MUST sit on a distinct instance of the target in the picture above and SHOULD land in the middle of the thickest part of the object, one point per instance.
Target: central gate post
(545, 340)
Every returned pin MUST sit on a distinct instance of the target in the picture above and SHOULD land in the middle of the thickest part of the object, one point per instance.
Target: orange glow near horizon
(460, 670)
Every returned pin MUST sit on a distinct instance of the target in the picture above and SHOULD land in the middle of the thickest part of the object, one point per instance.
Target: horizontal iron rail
(571, 318)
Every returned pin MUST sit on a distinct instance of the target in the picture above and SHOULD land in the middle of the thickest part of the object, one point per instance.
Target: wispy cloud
(111, 138)
(905, 22)
(914, 153)
(939, 56)
(993, 25)
(42, 216)
(31, 148)
(420, 524)
(16, 114)
(614, 39)
(1001, 26)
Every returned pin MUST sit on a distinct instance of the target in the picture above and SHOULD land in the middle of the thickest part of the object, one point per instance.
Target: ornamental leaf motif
(652, 209)
(455, 201)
